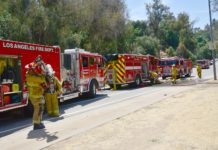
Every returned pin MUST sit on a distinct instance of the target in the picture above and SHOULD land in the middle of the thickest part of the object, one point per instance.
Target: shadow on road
(186, 81)
(41, 135)
(10, 122)
(80, 101)
(11, 131)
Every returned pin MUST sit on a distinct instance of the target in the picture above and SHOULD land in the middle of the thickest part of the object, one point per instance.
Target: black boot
(42, 125)
(38, 126)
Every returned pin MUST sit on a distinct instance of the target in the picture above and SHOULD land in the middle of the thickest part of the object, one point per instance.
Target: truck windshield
(162, 63)
(168, 62)
(201, 62)
(111, 57)
(172, 62)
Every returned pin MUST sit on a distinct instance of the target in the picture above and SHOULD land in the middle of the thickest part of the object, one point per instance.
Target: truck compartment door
(68, 75)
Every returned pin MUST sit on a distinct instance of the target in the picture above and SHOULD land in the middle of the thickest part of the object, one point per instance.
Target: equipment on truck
(81, 72)
(14, 56)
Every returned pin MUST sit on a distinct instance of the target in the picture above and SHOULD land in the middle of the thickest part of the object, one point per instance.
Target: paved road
(79, 116)
(206, 73)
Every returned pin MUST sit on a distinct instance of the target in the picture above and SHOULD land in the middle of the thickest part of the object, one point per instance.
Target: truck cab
(81, 73)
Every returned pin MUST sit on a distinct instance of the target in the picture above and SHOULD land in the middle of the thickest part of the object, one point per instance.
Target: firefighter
(52, 92)
(199, 70)
(174, 72)
(36, 84)
(154, 77)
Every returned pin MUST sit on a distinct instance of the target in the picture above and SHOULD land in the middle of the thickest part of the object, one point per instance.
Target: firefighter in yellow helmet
(174, 72)
(199, 70)
(52, 92)
(36, 84)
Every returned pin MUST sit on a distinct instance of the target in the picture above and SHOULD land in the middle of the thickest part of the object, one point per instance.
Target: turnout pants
(52, 106)
(174, 79)
(199, 74)
(38, 110)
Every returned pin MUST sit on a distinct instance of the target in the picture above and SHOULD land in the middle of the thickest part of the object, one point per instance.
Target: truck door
(100, 67)
(92, 67)
(100, 71)
(145, 70)
(68, 72)
(85, 73)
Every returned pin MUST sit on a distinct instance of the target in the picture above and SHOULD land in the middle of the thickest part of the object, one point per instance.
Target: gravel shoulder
(186, 121)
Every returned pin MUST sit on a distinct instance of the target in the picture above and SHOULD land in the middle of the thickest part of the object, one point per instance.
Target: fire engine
(184, 66)
(205, 64)
(80, 71)
(130, 69)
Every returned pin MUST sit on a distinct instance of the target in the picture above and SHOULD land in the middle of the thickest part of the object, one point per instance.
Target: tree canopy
(103, 26)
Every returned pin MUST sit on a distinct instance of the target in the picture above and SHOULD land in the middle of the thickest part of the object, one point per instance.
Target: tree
(204, 52)
(215, 5)
(140, 28)
(171, 52)
(5, 24)
(186, 32)
(97, 25)
(169, 36)
(156, 12)
(148, 45)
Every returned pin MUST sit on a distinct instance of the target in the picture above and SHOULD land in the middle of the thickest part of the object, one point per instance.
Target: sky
(197, 9)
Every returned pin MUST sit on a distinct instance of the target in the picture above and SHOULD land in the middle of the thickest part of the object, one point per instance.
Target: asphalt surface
(14, 126)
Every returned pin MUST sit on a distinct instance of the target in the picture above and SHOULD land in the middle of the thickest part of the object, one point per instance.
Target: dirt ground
(187, 121)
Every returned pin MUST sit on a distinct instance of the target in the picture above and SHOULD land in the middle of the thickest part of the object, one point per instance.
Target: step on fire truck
(80, 71)
(184, 67)
(129, 69)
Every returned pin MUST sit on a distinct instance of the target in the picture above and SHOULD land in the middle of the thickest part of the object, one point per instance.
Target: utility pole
(212, 40)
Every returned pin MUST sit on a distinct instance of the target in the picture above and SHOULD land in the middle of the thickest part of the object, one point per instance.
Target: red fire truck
(205, 63)
(82, 72)
(128, 69)
(184, 66)
(78, 77)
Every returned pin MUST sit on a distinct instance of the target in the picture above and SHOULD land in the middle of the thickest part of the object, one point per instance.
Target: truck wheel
(137, 81)
(92, 90)
(189, 74)
(111, 86)
(152, 81)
